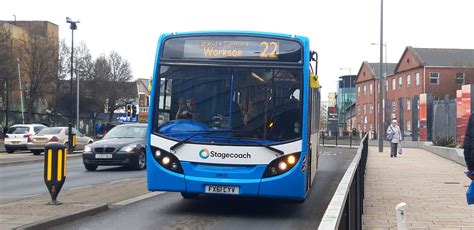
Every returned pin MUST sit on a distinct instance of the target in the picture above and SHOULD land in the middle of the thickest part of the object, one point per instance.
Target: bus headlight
(281, 165)
(167, 160)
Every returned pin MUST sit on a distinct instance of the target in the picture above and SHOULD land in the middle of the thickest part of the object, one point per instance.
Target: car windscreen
(18, 130)
(49, 131)
(123, 131)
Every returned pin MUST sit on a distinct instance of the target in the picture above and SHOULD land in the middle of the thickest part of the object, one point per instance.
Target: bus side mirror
(314, 82)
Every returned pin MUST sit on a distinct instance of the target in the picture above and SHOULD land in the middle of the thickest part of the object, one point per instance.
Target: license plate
(15, 142)
(103, 156)
(222, 189)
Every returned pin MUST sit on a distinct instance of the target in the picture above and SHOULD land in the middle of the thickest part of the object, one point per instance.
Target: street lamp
(21, 92)
(385, 64)
(379, 136)
(73, 27)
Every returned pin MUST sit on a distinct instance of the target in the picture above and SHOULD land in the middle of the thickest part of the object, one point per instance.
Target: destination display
(233, 48)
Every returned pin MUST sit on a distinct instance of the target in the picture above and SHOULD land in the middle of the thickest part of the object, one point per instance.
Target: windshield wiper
(185, 140)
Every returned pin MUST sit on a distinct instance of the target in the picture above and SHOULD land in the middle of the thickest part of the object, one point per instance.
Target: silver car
(56, 135)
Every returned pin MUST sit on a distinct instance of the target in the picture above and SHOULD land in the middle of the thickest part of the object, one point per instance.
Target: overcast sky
(341, 31)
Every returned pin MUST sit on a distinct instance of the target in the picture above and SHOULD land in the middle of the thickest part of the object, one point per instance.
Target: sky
(341, 31)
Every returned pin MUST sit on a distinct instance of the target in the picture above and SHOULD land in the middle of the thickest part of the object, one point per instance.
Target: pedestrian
(469, 147)
(394, 135)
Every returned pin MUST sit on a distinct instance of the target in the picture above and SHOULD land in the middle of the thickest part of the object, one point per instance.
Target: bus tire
(187, 195)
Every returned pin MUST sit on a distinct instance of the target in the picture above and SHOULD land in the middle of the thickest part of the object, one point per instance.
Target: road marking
(136, 199)
(28, 196)
(87, 186)
(117, 181)
(36, 174)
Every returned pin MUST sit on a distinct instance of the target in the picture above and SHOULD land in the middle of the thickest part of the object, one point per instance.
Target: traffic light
(134, 110)
(129, 110)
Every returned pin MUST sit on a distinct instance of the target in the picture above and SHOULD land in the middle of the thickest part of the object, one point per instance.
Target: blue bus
(233, 113)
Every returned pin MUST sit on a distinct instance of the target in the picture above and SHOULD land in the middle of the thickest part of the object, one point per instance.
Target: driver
(186, 111)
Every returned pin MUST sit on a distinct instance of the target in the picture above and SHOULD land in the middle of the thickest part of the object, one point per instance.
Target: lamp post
(383, 79)
(380, 80)
(21, 92)
(73, 27)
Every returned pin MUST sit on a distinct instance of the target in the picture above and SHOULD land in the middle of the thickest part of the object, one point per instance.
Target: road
(18, 181)
(170, 211)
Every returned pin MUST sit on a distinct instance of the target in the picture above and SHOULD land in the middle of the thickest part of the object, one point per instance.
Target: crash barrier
(346, 207)
(340, 138)
(55, 158)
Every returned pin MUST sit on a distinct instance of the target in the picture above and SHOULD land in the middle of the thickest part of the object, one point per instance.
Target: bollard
(401, 216)
(55, 156)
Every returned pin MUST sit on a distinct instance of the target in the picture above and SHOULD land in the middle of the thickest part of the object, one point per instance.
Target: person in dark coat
(469, 147)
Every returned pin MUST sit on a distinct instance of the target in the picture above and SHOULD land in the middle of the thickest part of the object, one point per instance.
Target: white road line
(36, 174)
(121, 180)
(87, 186)
(28, 196)
(136, 199)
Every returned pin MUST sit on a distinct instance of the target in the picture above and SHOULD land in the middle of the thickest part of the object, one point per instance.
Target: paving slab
(433, 187)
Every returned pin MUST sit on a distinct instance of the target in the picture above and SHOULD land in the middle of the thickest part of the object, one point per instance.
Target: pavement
(433, 187)
(34, 213)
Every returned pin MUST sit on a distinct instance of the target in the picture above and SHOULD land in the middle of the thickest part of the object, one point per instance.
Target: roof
(444, 57)
(376, 69)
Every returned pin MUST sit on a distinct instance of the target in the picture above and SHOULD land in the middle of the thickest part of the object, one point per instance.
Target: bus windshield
(228, 105)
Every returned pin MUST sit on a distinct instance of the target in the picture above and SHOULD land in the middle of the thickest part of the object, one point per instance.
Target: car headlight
(87, 149)
(128, 148)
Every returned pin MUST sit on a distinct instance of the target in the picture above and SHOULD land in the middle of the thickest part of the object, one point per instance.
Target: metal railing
(340, 138)
(346, 207)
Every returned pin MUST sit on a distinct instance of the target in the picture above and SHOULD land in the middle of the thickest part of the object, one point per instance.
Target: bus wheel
(187, 195)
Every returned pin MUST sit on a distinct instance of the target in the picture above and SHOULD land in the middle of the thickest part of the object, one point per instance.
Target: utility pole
(381, 131)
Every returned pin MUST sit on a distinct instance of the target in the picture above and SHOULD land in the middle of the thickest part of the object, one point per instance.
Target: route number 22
(269, 49)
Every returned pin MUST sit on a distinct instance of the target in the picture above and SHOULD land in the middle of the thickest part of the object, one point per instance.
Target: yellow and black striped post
(54, 169)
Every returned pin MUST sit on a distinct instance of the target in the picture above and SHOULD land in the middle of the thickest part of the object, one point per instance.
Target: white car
(56, 135)
(17, 136)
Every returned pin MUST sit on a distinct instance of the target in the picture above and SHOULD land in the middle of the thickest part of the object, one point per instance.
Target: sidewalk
(26, 157)
(78, 202)
(434, 189)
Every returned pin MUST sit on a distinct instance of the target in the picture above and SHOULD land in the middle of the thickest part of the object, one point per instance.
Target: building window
(371, 127)
(358, 109)
(400, 82)
(371, 108)
(365, 109)
(365, 89)
(434, 78)
(408, 126)
(386, 85)
(408, 80)
(394, 84)
(370, 88)
(408, 104)
(417, 79)
(460, 78)
(358, 91)
(394, 106)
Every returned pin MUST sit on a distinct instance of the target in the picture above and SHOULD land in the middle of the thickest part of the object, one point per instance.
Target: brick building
(437, 72)
(367, 90)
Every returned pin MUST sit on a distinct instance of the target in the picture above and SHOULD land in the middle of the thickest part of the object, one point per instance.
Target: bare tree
(6, 65)
(61, 90)
(119, 90)
(40, 58)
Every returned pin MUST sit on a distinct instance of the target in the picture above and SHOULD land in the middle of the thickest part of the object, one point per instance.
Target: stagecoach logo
(204, 153)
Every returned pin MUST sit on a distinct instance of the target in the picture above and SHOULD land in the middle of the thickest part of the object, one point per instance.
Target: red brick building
(367, 94)
(437, 72)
